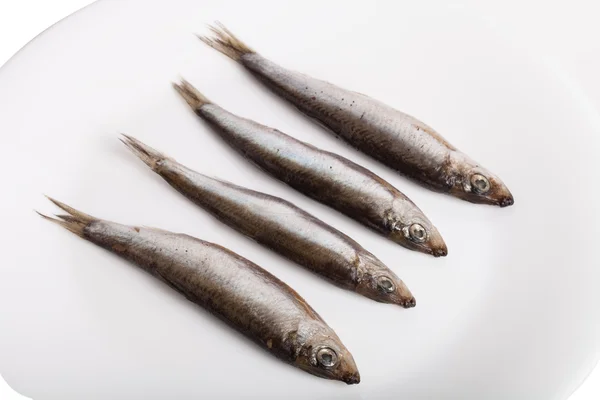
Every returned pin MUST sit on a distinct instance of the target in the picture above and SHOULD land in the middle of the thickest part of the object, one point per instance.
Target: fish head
(414, 231)
(379, 283)
(473, 183)
(325, 356)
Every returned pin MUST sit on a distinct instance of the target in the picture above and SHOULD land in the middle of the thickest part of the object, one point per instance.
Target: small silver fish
(241, 293)
(326, 177)
(396, 139)
(284, 228)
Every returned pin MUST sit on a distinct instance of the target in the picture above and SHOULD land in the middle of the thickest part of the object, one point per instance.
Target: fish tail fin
(75, 221)
(147, 154)
(224, 41)
(191, 95)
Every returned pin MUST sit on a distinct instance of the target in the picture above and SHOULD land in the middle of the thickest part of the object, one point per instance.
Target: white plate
(511, 313)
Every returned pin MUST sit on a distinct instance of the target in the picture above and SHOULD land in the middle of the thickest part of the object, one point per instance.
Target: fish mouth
(434, 246)
(440, 252)
(506, 202)
(437, 247)
(500, 201)
(352, 379)
(436, 251)
(409, 303)
(498, 195)
(405, 298)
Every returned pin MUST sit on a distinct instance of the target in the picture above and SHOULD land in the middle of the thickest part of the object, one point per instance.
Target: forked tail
(146, 153)
(75, 221)
(225, 41)
(191, 95)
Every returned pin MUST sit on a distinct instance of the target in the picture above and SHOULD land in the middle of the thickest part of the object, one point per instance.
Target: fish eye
(417, 233)
(384, 283)
(326, 357)
(480, 183)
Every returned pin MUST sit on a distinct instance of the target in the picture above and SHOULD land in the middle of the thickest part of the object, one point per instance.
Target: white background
(565, 33)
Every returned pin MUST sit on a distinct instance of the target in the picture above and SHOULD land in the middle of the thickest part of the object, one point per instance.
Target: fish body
(326, 177)
(394, 138)
(284, 228)
(241, 293)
